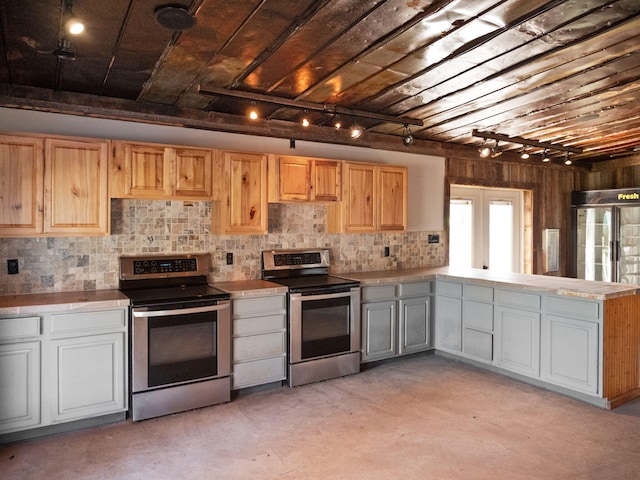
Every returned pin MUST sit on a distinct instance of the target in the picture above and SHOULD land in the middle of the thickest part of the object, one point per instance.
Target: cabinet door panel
(146, 171)
(76, 196)
(246, 203)
(19, 386)
(295, 179)
(393, 198)
(518, 345)
(192, 172)
(414, 325)
(572, 353)
(359, 188)
(88, 376)
(327, 180)
(379, 330)
(22, 185)
(449, 323)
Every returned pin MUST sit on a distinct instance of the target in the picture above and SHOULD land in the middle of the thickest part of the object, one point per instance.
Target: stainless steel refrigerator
(606, 235)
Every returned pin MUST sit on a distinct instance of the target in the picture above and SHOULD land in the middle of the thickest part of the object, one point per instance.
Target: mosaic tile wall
(164, 227)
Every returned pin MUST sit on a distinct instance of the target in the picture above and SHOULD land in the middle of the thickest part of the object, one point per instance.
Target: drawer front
(87, 321)
(478, 315)
(417, 289)
(377, 293)
(19, 327)
(259, 372)
(520, 300)
(450, 289)
(259, 305)
(259, 346)
(478, 344)
(254, 325)
(573, 308)
(478, 292)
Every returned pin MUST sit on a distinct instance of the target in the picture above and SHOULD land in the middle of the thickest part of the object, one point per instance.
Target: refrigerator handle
(617, 250)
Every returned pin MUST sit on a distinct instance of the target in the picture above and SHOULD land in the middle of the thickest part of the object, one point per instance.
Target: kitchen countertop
(61, 301)
(250, 288)
(537, 283)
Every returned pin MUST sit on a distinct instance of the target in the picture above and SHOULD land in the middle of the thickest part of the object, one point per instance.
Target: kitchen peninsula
(575, 337)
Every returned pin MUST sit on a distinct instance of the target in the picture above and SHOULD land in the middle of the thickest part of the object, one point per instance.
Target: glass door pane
(501, 236)
(594, 243)
(629, 259)
(461, 233)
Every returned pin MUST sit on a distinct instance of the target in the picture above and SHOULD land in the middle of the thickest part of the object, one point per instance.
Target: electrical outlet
(229, 258)
(12, 266)
(386, 251)
(434, 238)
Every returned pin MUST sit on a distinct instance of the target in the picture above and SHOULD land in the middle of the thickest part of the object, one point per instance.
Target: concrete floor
(423, 417)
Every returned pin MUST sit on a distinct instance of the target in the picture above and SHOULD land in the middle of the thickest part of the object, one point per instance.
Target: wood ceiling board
(321, 28)
(507, 58)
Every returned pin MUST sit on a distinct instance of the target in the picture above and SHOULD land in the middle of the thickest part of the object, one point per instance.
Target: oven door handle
(322, 296)
(178, 311)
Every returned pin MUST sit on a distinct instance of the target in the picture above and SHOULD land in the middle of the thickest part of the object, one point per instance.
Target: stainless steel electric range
(323, 315)
(180, 342)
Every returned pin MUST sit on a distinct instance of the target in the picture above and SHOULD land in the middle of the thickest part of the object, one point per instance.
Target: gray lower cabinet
(449, 316)
(20, 351)
(517, 321)
(259, 340)
(571, 337)
(396, 319)
(61, 367)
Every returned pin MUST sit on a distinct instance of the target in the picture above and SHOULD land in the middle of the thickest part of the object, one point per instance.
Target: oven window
(182, 348)
(325, 327)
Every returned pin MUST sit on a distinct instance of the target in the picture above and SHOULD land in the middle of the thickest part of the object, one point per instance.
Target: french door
(485, 228)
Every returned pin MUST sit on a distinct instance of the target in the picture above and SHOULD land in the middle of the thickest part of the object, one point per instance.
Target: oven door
(180, 343)
(323, 324)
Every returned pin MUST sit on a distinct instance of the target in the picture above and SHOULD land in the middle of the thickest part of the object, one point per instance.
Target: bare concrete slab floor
(419, 418)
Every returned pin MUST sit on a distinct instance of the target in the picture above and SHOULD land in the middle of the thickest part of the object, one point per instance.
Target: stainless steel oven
(323, 315)
(180, 335)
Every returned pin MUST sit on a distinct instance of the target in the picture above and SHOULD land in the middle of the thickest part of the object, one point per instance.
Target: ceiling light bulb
(524, 155)
(337, 125)
(253, 115)
(567, 160)
(484, 151)
(75, 26)
(356, 131)
(305, 122)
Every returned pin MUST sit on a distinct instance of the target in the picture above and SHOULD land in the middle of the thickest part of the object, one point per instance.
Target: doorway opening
(487, 229)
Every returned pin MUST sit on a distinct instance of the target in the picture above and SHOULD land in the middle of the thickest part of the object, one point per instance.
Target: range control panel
(174, 265)
(307, 258)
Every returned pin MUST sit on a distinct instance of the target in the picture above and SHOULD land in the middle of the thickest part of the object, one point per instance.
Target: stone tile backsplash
(141, 227)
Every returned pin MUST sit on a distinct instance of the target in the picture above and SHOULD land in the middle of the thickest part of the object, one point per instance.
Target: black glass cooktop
(314, 282)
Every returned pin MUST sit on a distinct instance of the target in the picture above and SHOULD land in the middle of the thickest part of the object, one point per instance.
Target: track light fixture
(484, 151)
(356, 131)
(407, 136)
(253, 111)
(72, 25)
(545, 157)
(567, 160)
(495, 151)
(65, 50)
(328, 109)
(524, 155)
(305, 119)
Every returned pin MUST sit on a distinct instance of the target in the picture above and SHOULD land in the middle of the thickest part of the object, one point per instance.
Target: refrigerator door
(594, 243)
(629, 246)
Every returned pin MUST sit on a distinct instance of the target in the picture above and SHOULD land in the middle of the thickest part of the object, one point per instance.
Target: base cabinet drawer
(259, 346)
(478, 344)
(259, 372)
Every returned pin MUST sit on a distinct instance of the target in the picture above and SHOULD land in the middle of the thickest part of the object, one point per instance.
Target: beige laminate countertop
(61, 301)
(538, 283)
(250, 288)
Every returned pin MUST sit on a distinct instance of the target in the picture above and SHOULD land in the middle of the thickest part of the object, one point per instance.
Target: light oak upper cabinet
(76, 196)
(141, 170)
(21, 185)
(299, 179)
(240, 195)
(53, 187)
(374, 199)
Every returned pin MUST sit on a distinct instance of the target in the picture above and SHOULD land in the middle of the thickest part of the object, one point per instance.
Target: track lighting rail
(524, 141)
(302, 105)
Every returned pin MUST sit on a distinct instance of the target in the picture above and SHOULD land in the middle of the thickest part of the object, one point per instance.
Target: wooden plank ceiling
(561, 72)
